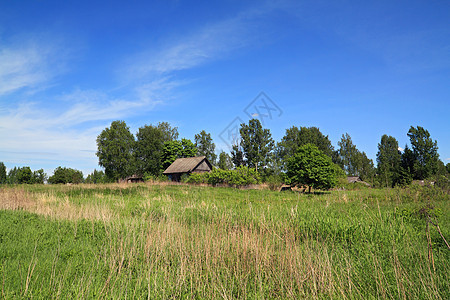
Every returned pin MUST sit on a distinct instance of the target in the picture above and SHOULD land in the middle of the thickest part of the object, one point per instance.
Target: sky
(70, 68)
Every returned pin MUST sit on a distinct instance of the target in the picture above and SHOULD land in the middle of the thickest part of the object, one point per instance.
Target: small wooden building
(187, 165)
(353, 179)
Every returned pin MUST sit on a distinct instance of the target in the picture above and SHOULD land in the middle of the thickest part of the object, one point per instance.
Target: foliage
(388, 160)
(205, 146)
(97, 177)
(354, 162)
(188, 149)
(24, 175)
(225, 161)
(3, 174)
(294, 138)
(312, 167)
(39, 176)
(237, 156)
(177, 149)
(115, 150)
(424, 153)
(66, 175)
(257, 144)
(149, 147)
(240, 176)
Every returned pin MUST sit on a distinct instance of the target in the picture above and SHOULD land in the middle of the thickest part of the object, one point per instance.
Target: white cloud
(27, 65)
(400, 149)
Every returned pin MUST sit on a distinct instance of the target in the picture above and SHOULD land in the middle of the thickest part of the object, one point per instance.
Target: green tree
(205, 146)
(39, 176)
(294, 138)
(149, 147)
(225, 162)
(12, 176)
(354, 162)
(171, 152)
(312, 167)
(96, 177)
(66, 175)
(3, 174)
(115, 150)
(188, 148)
(25, 175)
(237, 156)
(425, 153)
(257, 144)
(388, 160)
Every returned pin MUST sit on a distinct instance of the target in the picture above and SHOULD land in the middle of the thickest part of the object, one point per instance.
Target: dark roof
(186, 165)
(352, 179)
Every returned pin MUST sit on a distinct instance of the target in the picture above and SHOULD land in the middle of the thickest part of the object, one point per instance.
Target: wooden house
(187, 165)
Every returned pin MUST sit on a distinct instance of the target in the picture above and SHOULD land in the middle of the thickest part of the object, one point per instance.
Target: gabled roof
(186, 165)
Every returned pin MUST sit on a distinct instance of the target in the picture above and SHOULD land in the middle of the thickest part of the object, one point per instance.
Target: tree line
(303, 156)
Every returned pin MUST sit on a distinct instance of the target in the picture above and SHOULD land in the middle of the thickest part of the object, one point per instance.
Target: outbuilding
(188, 165)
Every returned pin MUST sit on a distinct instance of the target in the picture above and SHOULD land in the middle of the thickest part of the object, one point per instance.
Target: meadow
(163, 241)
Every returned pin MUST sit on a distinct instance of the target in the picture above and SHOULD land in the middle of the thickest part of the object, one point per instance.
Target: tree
(96, 177)
(149, 147)
(312, 167)
(425, 152)
(12, 176)
(66, 175)
(388, 160)
(188, 148)
(115, 150)
(39, 176)
(257, 144)
(25, 175)
(348, 155)
(177, 149)
(205, 146)
(3, 174)
(294, 138)
(237, 156)
(225, 162)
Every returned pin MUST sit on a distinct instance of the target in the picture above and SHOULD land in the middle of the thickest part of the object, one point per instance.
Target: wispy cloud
(28, 64)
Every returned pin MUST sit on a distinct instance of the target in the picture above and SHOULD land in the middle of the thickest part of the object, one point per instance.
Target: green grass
(179, 241)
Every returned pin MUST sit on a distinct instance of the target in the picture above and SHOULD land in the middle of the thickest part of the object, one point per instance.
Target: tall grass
(179, 241)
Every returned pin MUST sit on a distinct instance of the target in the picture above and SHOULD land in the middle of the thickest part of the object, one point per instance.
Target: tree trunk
(309, 191)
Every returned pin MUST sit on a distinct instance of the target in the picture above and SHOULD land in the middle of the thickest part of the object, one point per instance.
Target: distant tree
(39, 176)
(115, 150)
(225, 162)
(149, 147)
(257, 144)
(169, 133)
(96, 177)
(294, 138)
(365, 167)
(205, 146)
(425, 152)
(447, 166)
(348, 154)
(188, 148)
(12, 176)
(177, 149)
(3, 174)
(388, 160)
(312, 167)
(408, 160)
(25, 175)
(171, 152)
(66, 175)
(237, 156)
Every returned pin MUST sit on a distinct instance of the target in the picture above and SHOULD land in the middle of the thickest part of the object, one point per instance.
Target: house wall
(203, 167)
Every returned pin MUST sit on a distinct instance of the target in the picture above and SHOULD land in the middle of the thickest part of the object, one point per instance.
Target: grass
(164, 241)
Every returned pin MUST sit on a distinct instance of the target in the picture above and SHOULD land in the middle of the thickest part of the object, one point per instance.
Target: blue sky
(69, 68)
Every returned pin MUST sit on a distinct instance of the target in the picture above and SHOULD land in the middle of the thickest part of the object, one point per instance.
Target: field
(161, 241)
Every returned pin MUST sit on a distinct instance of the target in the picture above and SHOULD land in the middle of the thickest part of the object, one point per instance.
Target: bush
(239, 177)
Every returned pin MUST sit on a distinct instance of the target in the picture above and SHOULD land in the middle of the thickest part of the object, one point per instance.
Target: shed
(353, 179)
(187, 165)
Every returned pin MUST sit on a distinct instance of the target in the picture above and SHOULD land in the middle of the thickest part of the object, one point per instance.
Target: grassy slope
(159, 241)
